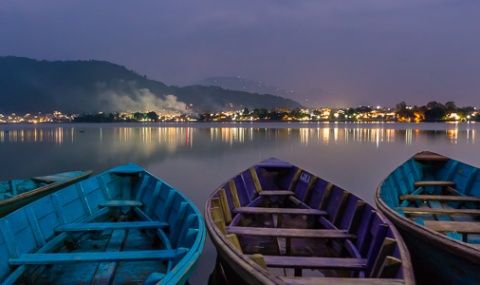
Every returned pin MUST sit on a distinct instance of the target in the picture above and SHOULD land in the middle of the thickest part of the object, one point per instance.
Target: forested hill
(28, 85)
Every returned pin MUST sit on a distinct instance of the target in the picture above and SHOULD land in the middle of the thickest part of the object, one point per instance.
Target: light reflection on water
(196, 158)
(184, 136)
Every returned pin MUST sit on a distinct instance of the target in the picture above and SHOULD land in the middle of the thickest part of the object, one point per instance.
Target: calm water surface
(196, 158)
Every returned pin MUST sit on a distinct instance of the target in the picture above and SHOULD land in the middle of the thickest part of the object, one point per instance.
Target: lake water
(196, 158)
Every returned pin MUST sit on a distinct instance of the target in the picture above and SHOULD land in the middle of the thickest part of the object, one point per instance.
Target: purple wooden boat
(275, 223)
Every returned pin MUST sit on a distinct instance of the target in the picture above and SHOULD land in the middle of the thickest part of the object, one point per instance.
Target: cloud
(137, 99)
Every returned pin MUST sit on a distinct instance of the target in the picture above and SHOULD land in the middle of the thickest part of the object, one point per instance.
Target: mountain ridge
(30, 85)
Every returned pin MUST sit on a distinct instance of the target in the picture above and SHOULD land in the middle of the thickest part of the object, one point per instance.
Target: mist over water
(197, 158)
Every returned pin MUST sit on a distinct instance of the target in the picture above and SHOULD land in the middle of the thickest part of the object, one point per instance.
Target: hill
(28, 85)
(241, 84)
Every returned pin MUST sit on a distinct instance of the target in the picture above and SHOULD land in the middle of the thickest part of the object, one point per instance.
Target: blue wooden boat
(275, 223)
(123, 226)
(434, 202)
(19, 192)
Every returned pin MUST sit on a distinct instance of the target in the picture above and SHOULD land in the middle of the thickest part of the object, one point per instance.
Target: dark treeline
(431, 112)
(435, 112)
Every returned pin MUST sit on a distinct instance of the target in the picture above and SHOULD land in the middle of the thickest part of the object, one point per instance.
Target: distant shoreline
(82, 127)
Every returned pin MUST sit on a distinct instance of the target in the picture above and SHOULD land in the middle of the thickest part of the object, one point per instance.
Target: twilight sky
(331, 53)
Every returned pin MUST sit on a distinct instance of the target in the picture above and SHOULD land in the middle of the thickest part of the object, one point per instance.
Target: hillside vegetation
(29, 85)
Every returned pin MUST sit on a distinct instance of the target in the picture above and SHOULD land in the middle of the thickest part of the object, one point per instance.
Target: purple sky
(333, 53)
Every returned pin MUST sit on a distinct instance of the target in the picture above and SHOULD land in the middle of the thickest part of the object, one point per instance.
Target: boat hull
(123, 226)
(437, 259)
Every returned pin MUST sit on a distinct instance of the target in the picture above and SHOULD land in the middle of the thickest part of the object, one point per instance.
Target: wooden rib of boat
(19, 192)
(123, 226)
(434, 202)
(275, 223)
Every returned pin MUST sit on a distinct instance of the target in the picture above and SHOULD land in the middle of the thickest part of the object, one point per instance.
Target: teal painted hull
(434, 266)
(434, 203)
(121, 226)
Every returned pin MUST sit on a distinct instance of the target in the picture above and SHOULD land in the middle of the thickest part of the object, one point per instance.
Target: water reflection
(196, 158)
(185, 136)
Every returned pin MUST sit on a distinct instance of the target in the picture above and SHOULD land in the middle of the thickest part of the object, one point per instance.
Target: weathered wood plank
(73, 227)
(224, 205)
(106, 270)
(292, 233)
(276, 193)
(429, 156)
(54, 258)
(449, 198)
(387, 248)
(120, 203)
(434, 183)
(429, 211)
(259, 210)
(340, 281)
(256, 181)
(438, 205)
(390, 267)
(314, 262)
(453, 226)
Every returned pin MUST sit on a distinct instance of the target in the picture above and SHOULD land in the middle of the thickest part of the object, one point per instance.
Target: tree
(403, 112)
(139, 116)
(153, 116)
(435, 111)
(435, 105)
(261, 113)
(450, 107)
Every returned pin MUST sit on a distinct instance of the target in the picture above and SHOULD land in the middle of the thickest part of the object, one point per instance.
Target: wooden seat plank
(260, 210)
(54, 258)
(314, 262)
(291, 233)
(429, 211)
(110, 226)
(434, 183)
(453, 226)
(276, 193)
(120, 203)
(340, 281)
(448, 198)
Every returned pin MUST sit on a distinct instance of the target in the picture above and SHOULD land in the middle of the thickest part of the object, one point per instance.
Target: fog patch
(131, 98)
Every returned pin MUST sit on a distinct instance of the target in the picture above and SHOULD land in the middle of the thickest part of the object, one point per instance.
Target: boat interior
(117, 228)
(439, 193)
(304, 229)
